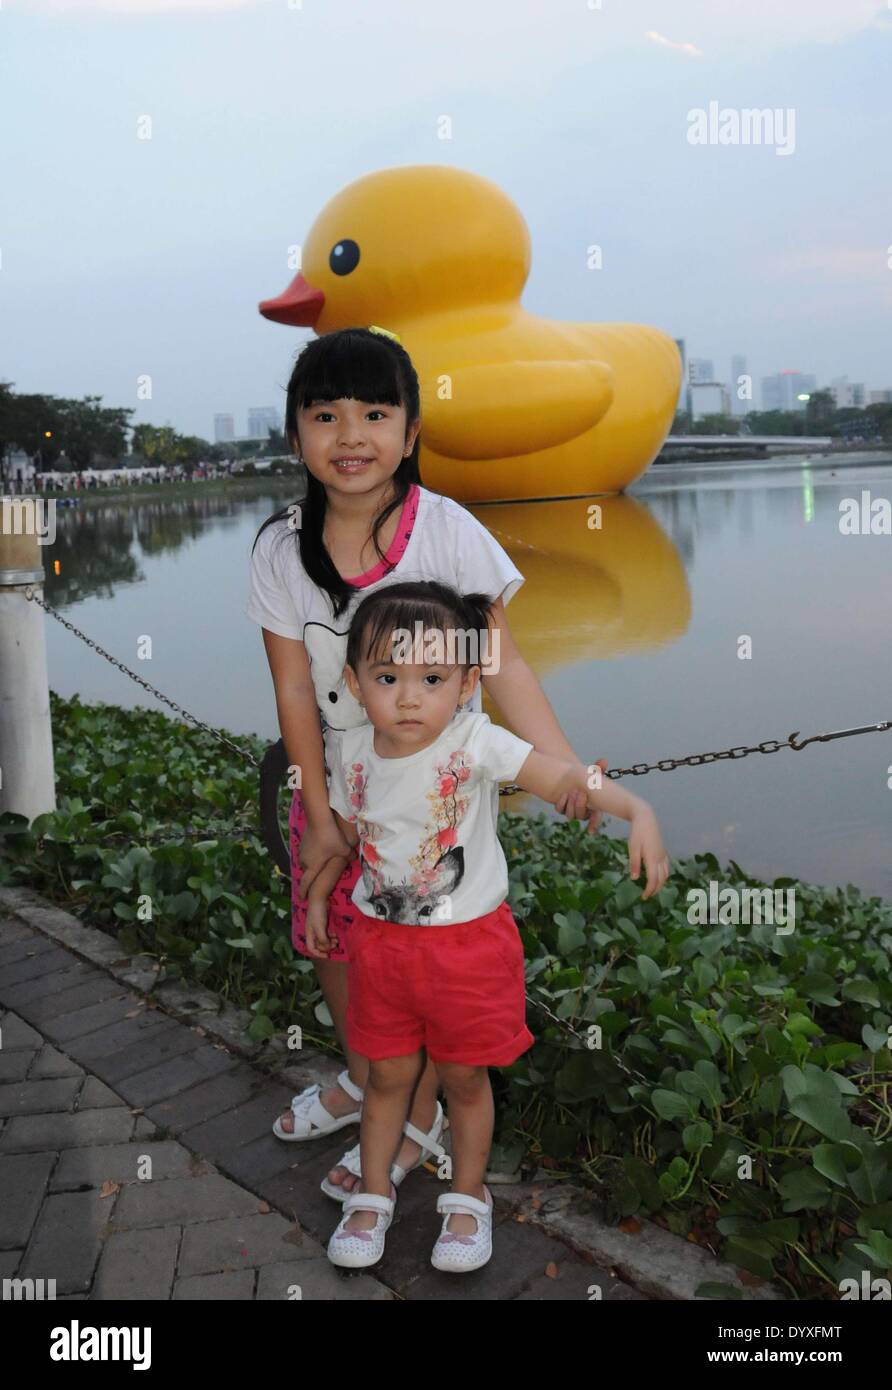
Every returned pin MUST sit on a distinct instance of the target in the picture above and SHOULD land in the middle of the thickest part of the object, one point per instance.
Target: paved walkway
(137, 1162)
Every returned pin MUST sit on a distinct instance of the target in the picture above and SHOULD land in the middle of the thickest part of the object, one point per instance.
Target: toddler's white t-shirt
(427, 822)
(447, 543)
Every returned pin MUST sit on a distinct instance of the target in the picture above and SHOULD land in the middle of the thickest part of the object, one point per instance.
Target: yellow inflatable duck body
(514, 406)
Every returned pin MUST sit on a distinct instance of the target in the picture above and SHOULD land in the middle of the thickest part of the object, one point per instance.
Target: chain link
(221, 738)
(768, 745)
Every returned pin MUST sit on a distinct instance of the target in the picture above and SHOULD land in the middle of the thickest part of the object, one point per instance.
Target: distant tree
(716, 424)
(819, 412)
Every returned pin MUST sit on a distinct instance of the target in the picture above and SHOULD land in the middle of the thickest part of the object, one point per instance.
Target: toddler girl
(436, 968)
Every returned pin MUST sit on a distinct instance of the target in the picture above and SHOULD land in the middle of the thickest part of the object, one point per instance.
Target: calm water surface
(633, 629)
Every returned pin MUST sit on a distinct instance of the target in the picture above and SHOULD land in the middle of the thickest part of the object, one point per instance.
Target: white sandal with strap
(359, 1249)
(312, 1120)
(430, 1145)
(458, 1254)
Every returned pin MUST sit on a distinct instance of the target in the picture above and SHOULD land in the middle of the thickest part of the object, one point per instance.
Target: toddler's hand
(645, 842)
(319, 943)
(574, 804)
(317, 846)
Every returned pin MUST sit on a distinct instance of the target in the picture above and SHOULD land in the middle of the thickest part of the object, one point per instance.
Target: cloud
(688, 48)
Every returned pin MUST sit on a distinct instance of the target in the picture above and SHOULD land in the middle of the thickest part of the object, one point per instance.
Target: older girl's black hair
(400, 606)
(363, 366)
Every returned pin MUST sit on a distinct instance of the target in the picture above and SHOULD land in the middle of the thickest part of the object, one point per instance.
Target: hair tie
(373, 328)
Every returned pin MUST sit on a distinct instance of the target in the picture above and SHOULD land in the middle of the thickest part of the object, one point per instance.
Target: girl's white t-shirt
(447, 543)
(426, 822)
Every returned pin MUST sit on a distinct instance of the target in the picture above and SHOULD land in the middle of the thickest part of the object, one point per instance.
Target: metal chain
(768, 745)
(221, 738)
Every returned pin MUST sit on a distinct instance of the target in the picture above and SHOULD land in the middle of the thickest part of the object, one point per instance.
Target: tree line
(78, 434)
(821, 416)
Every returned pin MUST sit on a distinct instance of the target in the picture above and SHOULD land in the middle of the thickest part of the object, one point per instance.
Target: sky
(124, 258)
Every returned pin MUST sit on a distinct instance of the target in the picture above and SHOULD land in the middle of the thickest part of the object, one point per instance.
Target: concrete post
(27, 779)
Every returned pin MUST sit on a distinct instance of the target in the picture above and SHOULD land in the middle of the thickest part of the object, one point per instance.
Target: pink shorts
(457, 990)
(341, 912)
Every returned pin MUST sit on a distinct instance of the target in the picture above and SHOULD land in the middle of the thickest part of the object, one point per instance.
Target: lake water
(633, 629)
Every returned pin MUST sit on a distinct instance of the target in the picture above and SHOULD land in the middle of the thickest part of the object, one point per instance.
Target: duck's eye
(344, 257)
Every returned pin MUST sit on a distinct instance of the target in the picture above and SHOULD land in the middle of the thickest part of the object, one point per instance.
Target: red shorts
(457, 990)
(341, 912)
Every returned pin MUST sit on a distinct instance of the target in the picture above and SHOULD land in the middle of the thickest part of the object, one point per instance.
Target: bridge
(746, 443)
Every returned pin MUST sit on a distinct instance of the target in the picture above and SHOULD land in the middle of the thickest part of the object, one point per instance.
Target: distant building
(684, 397)
(709, 398)
(701, 371)
(738, 369)
(880, 398)
(17, 471)
(785, 390)
(847, 393)
(262, 419)
(224, 429)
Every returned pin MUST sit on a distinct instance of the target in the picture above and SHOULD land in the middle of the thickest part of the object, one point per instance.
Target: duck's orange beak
(300, 305)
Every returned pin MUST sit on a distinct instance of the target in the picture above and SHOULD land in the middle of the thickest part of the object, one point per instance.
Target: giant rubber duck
(514, 406)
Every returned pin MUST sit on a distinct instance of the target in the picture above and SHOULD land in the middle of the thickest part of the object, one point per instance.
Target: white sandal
(359, 1249)
(456, 1253)
(312, 1120)
(430, 1145)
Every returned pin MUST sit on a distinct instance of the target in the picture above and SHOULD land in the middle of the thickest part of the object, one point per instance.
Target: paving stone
(96, 1094)
(172, 1076)
(238, 1242)
(9, 1262)
(318, 1279)
(66, 1240)
(68, 1001)
(39, 1097)
(260, 1159)
(520, 1253)
(118, 1163)
(415, 1228)
(207, 1099)
(149, 1051)
(31, 994)
(572, 1284)
(13, 928)
(88, 1020)
(137, 1265)
(41, 963)
(219, 1136)
(24, 1133)
(14, 1065)
(27, 944)
(23, 1184)
(296, 1191)
(182, 1200)
(51, 1062)
(17, 1033)
(238, 1284)
(116, 1036)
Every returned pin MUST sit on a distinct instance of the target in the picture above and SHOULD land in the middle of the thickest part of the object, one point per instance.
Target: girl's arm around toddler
(549, 778)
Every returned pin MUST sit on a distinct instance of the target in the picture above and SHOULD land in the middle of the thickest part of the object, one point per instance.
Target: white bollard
(27, 775)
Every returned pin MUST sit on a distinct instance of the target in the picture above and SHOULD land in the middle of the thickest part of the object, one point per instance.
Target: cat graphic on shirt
(438, 867)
